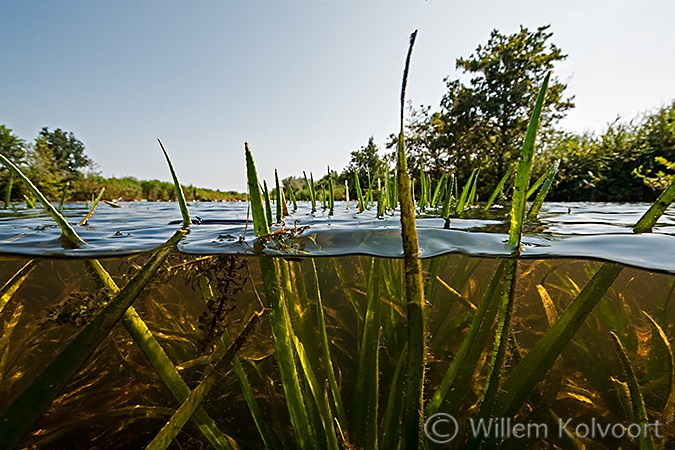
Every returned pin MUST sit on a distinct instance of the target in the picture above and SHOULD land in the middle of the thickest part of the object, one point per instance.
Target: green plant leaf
(325, 347)
(14, 283)
(392, 415)
(523, 172)
(94, 205)
(541, 195)
(320, 400)
(65, 227)
(277, 194)
(280, 321)
(260, 222)
(639, 412)
(365, 409)
(498, 189)
(188, 408)
(17, 419)
(668, 411)
(239, 372)
(464, 363)
(649, 219)
(179, 190)
(541, 357)
(461, 203)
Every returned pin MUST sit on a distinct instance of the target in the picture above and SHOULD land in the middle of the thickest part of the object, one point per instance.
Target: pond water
(577, 230)
(117, 400)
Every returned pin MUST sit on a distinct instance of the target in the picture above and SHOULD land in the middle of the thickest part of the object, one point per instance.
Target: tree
(364, 161)
(482, 124)
(12, 147)
(42, 170)
(67, 151)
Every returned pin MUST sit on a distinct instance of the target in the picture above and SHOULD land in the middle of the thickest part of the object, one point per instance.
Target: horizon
(293, 78)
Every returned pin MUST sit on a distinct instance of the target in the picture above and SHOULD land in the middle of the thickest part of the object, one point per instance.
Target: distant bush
(130, 189)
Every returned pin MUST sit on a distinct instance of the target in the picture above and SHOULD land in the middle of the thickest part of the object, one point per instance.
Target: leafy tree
(483, 123)
(42, 170)
(295, 183)
(364, 161)
(67, 151)
(13, 147)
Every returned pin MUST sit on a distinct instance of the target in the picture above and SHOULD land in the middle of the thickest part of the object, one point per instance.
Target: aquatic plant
(414, 286)
(29, 405)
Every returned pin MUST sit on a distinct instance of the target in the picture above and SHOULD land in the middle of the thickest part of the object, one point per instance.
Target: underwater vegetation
(282, 350)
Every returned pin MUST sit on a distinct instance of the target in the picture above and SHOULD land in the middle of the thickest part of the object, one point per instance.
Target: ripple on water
(576, 230)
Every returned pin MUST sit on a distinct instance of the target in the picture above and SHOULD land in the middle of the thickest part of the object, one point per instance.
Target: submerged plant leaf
(501, 339)
(639, 412)
(14, 283)
(668, 412)
(320, 400)
(365, 404)
(157, 357)
(183, 414)
(17, 419)
(392, 415)
(549, 307)
(328, 362)
(464, 363)
(541, 357)
(7, 331)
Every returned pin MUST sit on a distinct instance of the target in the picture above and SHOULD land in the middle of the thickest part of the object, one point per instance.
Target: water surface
(576, 230)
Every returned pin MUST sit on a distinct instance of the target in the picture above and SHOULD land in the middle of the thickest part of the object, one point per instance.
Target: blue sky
(305, 83)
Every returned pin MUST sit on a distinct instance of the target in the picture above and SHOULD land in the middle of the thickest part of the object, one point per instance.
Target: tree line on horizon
(56, 163)
(481, 124)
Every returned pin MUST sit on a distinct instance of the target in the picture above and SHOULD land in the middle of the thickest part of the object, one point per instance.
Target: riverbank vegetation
(58, 166)
(482, 123)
